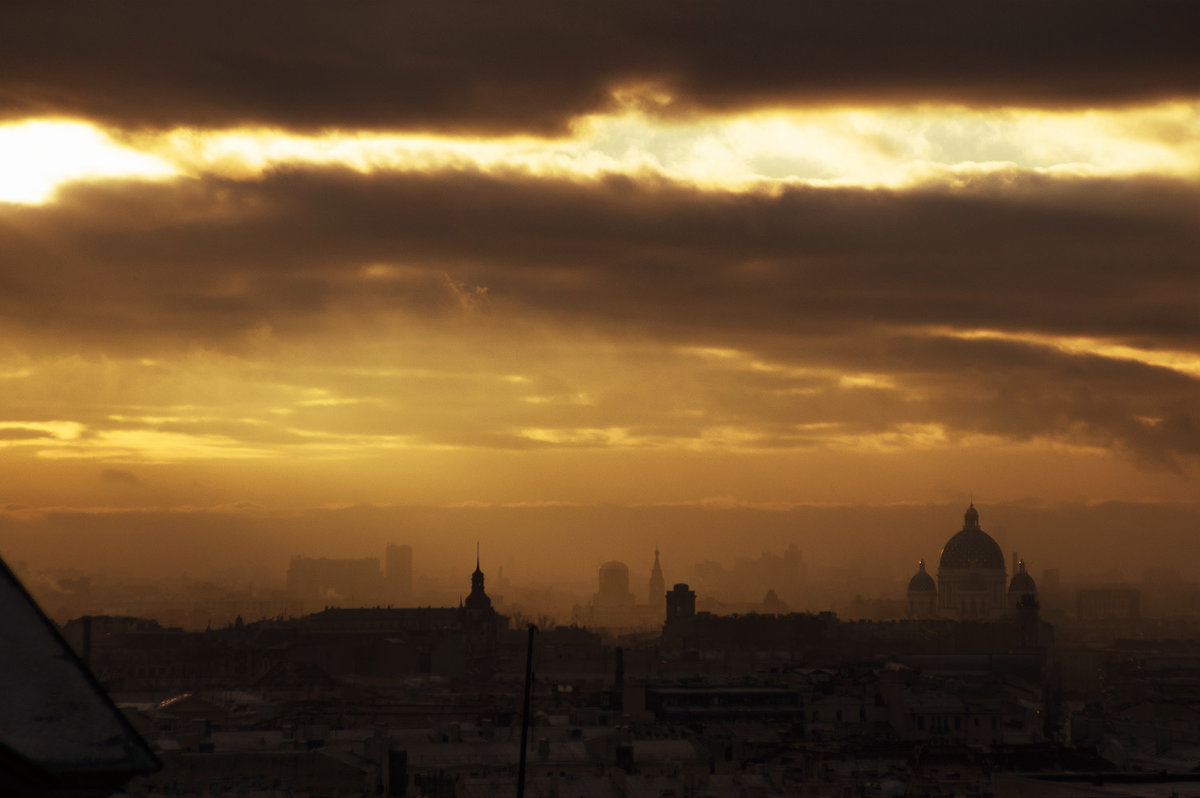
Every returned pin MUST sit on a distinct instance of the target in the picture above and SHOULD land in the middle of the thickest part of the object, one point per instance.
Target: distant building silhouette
(745, 581)
(398, 562)
(681, 603)
(614, 585)
(773, 605)
(616, 609)
(324, 581)
(1117, 602)
(358, 582)
(1050, 583)
(658, 585)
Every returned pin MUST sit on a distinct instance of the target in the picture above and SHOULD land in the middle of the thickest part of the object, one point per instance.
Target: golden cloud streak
(1187, 363)
(880, 147)
(56, 430)
(742, 360)
(151, 446)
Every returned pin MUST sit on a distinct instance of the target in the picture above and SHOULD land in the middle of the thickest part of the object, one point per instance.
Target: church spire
(478, 599)
(658, 585)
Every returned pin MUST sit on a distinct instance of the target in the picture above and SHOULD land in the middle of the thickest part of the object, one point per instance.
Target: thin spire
(477, 555)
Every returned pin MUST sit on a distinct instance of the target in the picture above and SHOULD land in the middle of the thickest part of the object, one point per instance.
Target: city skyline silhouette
(821, 380)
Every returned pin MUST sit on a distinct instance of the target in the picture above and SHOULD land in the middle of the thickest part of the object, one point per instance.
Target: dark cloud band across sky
(814, 282)
(535, 64)
(202, 260)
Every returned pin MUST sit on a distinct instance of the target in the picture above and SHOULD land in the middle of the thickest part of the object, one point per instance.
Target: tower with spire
(480, 625)
(478, 599)
(658, 585)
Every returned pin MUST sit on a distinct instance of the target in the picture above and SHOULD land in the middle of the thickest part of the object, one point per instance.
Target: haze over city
(622, 399)
(579, 284)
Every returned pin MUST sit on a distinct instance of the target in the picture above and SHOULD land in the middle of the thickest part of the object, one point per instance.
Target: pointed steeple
(478, 599)
(658, 585)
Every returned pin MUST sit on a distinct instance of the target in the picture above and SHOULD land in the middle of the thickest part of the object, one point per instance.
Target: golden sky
(264, 255)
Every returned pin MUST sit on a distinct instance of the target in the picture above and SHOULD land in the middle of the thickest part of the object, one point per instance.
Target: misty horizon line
(716, 503)
(565, 543)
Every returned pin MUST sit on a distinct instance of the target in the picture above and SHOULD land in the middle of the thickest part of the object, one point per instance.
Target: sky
(287, 257)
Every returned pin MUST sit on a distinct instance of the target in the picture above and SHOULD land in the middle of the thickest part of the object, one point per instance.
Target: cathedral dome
(921, 582)
(972, 547)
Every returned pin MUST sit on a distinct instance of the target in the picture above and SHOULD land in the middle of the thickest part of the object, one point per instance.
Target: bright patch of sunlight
(880, 146)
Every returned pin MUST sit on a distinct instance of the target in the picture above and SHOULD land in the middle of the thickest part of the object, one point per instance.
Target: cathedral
(971, 579)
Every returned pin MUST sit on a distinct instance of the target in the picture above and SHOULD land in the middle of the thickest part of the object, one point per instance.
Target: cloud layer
(643, 300)
(206, 261)
(534, 65)
(807, 318)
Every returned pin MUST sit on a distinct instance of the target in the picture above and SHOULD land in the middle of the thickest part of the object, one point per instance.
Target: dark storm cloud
(533, 64)
(211, 260)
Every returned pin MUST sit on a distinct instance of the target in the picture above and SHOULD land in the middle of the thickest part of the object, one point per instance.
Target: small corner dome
(1022, 582)
(921, 582)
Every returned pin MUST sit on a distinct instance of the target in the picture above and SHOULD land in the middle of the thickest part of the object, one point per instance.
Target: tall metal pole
(525, 713)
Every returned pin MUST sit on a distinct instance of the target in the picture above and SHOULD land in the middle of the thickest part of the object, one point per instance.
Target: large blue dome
(972, 547)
